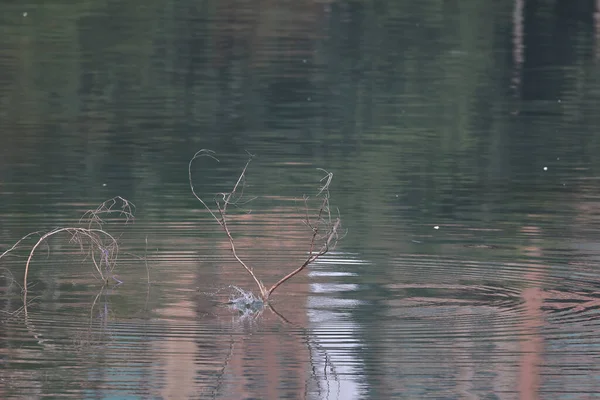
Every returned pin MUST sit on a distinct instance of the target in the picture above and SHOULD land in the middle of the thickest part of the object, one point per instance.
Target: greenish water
(463, 138)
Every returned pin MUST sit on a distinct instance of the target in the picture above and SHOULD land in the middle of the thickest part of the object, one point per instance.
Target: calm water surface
(464, 141)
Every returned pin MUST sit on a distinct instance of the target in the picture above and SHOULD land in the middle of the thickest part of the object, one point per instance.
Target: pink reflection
(532, 345)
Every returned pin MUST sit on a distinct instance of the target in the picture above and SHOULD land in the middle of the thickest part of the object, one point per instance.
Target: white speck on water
(104, 185)
(396, 196)
(304, 61)
(308, 98)
(25, 14)
(436, 227)
(545, 168)
(557, 158)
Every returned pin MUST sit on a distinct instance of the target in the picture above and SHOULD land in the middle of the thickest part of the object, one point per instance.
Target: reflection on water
(463, 142)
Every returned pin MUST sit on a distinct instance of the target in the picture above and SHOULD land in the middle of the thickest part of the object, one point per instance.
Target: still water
(463, 138)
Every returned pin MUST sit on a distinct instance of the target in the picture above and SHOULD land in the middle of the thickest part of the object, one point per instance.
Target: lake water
(463, 138)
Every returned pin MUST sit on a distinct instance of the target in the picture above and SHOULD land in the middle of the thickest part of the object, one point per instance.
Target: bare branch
(327, 178)
(260, 285)
(222, 200)
(202, 153)
(324, 231)
(126, 209)
(14, 246)
(97, 238)
(324, 228)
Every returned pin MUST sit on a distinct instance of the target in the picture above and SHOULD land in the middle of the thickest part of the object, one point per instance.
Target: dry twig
(222, 203)
(102, 247)
(324, 228)
(325, 231)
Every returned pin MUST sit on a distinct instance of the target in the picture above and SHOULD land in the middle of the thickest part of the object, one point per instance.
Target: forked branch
(222, 201)
(325, 232)
(324, 228)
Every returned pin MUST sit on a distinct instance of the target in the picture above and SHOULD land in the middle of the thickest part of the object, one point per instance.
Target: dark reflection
(558, 34)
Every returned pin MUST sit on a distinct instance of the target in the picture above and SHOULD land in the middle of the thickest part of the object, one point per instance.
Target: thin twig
(222, 210)
(201, 153)
(146, 261)
(323, 223)
(324, 229)
(98, 238)
(14, 246)
(91, 234)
